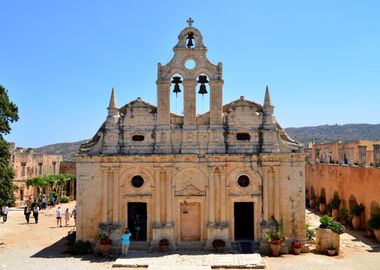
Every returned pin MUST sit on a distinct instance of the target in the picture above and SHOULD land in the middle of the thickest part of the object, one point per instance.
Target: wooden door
(190, 214)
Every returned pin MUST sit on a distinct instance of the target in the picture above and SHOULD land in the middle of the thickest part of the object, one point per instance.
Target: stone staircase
(191, 246)
(245, 246)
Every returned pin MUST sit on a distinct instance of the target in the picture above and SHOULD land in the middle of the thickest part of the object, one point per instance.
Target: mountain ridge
(318, 134)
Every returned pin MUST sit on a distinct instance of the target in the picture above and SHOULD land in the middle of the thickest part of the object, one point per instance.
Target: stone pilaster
(163, 103)
(376, 155)
(189, 103)
(362, 151)
(216, 102)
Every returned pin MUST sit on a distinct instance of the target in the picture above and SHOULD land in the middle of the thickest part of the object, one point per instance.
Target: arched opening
(312, 192)
(352, 201)
(202, 94)
(190, 40)
(323, 195)
(176, 94)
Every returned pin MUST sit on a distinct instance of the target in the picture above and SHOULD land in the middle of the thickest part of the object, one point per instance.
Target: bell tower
(191, 63)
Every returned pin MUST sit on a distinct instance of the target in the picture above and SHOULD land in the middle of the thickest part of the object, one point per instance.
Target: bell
(202, 79)
(202, 89)
(190, 37)
(176, 89)
(190, 43)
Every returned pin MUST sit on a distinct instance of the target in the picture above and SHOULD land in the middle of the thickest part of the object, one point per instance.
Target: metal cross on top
(190, 21)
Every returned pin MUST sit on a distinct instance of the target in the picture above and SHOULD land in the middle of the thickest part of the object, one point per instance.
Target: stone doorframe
(149, 211)
(177, 216)
(257, 217)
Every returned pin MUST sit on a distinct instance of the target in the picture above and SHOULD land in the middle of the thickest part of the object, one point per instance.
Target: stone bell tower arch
(189, 47)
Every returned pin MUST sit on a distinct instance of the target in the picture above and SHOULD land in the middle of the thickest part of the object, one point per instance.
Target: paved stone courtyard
(40, 246)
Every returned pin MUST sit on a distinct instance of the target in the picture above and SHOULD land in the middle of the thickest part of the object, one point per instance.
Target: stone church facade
(227, 173)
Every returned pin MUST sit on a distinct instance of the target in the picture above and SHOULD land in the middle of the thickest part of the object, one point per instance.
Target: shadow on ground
(59, 250)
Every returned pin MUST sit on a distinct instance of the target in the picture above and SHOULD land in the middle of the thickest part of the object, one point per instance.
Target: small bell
(202, 89)
(190, 37)
(176, 89)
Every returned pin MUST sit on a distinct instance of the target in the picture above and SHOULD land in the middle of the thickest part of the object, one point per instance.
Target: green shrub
(64, 200)
(374, 222)
(335, 201)
(357, 209)
(80, 247)
(310, 232)
(343, 214)
(329, 223)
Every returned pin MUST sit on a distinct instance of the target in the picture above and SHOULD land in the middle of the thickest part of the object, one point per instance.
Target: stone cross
(190, 21)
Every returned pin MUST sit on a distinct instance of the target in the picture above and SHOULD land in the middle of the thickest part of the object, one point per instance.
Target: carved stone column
(362, 150)
(105, 194)
(189, 103)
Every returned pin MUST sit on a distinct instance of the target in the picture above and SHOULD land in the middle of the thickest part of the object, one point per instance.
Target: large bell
(176, 89)
(176, 80)
(202, 79)
(202, 89)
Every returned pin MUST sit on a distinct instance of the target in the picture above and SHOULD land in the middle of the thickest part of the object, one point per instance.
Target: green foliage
(329, 223)
(80, 247)
(310, 232)
(64, 200)
(52, 180)
(331, 247)
(343, 214)
(335, 201)
(357, 209)
(8, 114)
(374, 222)
(275, 237)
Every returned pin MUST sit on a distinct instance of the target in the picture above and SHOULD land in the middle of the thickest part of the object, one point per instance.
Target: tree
(8, 114)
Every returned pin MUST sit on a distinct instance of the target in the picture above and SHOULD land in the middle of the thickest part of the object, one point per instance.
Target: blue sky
(60, 59)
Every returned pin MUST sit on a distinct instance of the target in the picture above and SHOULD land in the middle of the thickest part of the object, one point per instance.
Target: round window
(243, 181)
(137, 181)
(190, 64)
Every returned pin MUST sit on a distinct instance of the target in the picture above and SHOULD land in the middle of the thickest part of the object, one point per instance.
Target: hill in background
(326, 133)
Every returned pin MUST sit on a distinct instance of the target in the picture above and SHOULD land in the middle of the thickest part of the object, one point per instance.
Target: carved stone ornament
(190, 190)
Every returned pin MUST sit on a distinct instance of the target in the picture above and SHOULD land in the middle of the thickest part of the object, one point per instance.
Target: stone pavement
(157, 261)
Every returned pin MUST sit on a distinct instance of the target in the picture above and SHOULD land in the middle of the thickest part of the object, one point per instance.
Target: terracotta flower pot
(357, 223)
(104, 248)
(164, 248)
(331, 252)
(335, 213)
(377, 234)
(312, 203)
(296, 251)
(322, 208)
(275, 249)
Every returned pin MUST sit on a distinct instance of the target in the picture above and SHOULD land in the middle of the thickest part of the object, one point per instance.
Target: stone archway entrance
(190, 221)
(243, 217)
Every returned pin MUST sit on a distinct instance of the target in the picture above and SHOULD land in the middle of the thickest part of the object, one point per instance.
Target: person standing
(74, 214)
(137, 226)
(5, 210)
(43, 202)
(58, 215)
(36, 210)
(27, 213)
(67, 217)
(125, 242)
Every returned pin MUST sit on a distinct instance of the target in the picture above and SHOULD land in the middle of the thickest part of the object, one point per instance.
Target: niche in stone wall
(375, 208)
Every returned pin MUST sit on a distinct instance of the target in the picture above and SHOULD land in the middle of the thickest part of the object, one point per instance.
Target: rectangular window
(39, 168)
(54, 163)
(23, 168)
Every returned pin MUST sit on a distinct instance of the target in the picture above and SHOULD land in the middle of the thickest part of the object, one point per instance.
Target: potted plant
(104, 243)
(328, 233)
(374, 224)
(297, 246)
(218, 245)
(343, 215)
(310, 233)
(331, 250)
(322, 205)
(275, 240)
(356, 211)
(164, 245)
(312, 201)
(335, 202)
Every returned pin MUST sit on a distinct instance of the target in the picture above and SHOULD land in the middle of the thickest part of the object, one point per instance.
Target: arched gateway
(227, 173)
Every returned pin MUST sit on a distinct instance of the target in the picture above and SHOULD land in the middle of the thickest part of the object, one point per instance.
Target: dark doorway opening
(137, 220)
(243, 216)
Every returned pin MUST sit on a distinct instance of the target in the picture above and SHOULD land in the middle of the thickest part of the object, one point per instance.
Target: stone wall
(361, 182)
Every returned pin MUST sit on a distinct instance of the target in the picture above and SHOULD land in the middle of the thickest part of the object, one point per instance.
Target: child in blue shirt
(125, 242)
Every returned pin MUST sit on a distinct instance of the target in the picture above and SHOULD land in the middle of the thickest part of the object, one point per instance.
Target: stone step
(245, 246)
(139, 245)
(191, 245)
